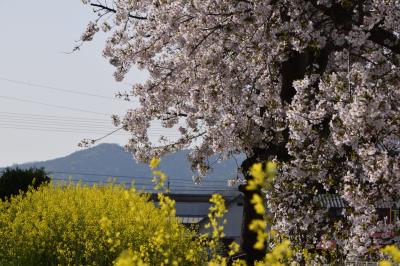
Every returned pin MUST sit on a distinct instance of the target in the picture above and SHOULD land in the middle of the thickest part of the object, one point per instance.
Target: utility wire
(53, 117)
(136, 184)
(144, 186)
(57, 89)
(56, 117)
(57, 130)
(74, 125)
(77, 127)
(48, 119)
(76, 131)
(55, 123)
(52, 105)
(58, 124)
(124, 176)
(175, 191)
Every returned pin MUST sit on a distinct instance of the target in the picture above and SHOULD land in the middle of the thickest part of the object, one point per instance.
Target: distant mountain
(99, 163)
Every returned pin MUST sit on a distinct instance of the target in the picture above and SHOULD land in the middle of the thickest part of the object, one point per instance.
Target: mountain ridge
(104, 161)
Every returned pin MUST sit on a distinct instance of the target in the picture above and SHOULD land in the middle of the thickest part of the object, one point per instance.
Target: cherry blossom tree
(312, 84)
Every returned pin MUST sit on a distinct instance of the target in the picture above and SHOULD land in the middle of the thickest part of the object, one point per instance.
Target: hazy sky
(34, 38)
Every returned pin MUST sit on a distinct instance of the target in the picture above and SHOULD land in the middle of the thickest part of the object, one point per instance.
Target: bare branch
(385, 38)
(109, 9)
(340, 16)
(88, 142)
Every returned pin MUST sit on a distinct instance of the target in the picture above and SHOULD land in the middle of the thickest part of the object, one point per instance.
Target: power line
(78, 127)
(57, 89)
(172, 190)
(55, 123)
(70, 125)
(56, 130)
(176, 188)
(123, 176)
(52, 105)
(144, 186)
(136, 184)
(51, 119)
(77, 131)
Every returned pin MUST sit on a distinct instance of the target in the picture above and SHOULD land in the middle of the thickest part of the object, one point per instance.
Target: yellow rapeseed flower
(258, 203)
(271, 167)
(384, 263)
(393, 252)
(154, 163)
(279, 254)
(82, 225)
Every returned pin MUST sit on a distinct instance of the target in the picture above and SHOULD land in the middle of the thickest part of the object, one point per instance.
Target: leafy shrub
(13, 181)
(80, 225)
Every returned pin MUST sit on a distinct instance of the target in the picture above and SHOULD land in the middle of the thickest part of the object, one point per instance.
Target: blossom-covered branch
(312, 84)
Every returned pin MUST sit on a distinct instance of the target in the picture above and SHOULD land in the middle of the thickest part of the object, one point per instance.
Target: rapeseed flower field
(72, 224)
(81, 225)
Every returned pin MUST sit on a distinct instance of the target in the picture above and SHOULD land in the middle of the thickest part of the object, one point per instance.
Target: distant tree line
(15, 180)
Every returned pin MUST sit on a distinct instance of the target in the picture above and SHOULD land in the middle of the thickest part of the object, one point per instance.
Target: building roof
(227, 195)
(193, 208)
(330, 201)
(190, 220)
(335, 201)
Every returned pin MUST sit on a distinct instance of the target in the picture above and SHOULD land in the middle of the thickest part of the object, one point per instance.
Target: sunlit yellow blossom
(259, 226)
(256, 170)
(233, 248)
(239, 262)
(82, 225)
(129, 258)
(154, 163)
(393, 252)
(271, 167)
(160, 181)
(385, 263)
(261, 176)
(216, 212)
(279, 254)
(258, 203)
(258, 174)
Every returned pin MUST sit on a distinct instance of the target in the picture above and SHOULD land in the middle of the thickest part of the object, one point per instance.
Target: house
(192, 211)
(388, 213)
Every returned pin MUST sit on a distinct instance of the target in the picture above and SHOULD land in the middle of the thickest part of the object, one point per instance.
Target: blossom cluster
(317, 79)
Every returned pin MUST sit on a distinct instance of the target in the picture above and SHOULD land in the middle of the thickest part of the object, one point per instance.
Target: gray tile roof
(192, 208)
(190, 219)
(330, 201)
(335, 201)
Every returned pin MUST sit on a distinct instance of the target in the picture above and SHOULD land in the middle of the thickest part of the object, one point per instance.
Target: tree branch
(104, 7)
(205, 37)
(174, 115)
(385, 38)
(342, 16)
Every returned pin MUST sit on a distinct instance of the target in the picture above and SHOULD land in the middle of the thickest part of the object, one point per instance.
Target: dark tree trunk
(294, 68)
(249, 238)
